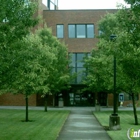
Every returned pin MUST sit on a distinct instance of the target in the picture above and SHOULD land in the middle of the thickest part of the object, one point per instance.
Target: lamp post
(114, 120)
(112, 38)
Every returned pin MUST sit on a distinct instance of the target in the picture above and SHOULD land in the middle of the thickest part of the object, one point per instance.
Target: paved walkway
(82, 125)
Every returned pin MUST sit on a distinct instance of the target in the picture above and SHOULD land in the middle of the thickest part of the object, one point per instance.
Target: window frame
(57, 32)
(86, 31)
(75, 67)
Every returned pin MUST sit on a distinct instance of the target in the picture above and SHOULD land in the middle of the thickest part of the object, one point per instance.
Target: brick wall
(66, 17)
(127, 103)
(16, 100)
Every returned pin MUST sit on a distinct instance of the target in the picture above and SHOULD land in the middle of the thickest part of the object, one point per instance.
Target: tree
(129, 40)
(29, 66)
(126, 28)
(16, 22)
(100, 69)
(59, 76)
(125, 25)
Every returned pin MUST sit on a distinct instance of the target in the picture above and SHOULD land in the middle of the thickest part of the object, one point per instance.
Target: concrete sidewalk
(82, 125)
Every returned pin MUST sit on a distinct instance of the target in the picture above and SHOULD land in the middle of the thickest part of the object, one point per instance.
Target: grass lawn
(44, 125)
(126, 122)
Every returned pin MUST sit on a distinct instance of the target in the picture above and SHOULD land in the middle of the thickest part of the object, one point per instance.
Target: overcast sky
(88, 4)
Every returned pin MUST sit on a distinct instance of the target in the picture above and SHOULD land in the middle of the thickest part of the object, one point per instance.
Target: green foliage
(31, 61)
(16, 19)
(125, 48)
(59, 76)
(36, 64)
(125, 25)
(31, 66)
(107, 26)
(99, 73)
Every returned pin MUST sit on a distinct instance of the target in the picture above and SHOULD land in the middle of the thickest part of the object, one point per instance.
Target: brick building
(78, 29)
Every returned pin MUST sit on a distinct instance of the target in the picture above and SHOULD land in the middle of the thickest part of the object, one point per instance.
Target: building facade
(78, 29)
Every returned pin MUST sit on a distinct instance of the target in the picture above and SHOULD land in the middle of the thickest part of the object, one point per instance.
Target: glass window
(71, 29)
(60, 31)
(77, 69)
(73, 60)
(52, 6)
(90, 31)
(80, 58)
(73, 72)
(80, 74)
(81, 31)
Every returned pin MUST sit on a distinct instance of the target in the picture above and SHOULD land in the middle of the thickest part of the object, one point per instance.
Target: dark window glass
(60, 31)
(90, 31)
(71, 29)
(80, 74)
(73, 71)
(80, 59)
(81, 31)
(73, 60)
(77, 67)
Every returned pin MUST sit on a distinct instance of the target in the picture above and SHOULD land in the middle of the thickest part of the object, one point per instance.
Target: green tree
(125, 25)
(59, 73)
(128, 41)
(16, 20)
(29, 66)
(99, 71)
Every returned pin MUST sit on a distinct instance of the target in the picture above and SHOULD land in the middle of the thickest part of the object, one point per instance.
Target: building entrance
(79, 97)
(84, 99)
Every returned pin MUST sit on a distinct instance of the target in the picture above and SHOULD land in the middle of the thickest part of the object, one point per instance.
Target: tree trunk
(46, 98)
(134, 109)
(53, 100)
(26, 116)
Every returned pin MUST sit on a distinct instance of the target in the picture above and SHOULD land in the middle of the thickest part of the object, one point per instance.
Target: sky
(88, 4)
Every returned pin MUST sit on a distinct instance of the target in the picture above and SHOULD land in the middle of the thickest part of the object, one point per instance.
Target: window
(90, 31)
(51, 4)
(81, 30)
(77, 67)
(71, 30)
(60, 31)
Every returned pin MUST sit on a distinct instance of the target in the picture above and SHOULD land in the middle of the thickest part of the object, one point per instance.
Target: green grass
(126, 122)
(43, 125)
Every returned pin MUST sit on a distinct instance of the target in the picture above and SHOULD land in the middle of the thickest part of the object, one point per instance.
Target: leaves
(125, 25)
(16, 20)
(35, 64)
